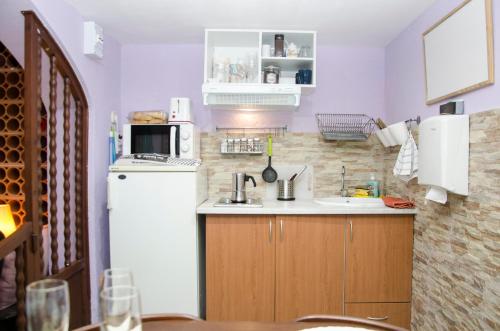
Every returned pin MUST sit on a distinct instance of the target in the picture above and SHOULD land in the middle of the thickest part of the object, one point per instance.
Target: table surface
(228, 326)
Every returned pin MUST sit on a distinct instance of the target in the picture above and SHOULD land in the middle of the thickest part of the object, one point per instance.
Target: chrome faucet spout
(343, 190)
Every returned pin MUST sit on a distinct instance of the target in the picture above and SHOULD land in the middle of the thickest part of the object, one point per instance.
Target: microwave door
(173, 134)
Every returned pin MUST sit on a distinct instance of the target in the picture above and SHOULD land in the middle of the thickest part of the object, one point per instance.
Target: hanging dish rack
(345, 126)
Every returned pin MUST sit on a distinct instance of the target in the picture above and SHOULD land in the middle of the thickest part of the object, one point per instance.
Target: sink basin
(351, 202)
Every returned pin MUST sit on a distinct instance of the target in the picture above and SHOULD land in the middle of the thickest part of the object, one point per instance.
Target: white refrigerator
(153, 231)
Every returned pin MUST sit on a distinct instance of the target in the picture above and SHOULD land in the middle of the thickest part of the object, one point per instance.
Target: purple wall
(405, 80)
(350, 80)
(101, 81)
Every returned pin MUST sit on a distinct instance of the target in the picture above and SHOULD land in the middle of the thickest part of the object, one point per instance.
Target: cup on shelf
(304, 76)
(305, 51)
(399, 132)
(299, 79)
(266, 50)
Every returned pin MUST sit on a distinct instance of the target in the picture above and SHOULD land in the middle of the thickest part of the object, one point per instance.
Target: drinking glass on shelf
(116, 277)
(120, 309)
(47, 305)
(305, 51)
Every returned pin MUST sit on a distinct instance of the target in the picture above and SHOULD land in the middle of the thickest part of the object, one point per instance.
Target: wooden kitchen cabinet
(266, 268)
(240, 267)
(392, 313)
(379, 252)
(309, 265)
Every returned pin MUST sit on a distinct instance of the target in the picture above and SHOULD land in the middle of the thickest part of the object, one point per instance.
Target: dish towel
(398, 203)
(406, 167)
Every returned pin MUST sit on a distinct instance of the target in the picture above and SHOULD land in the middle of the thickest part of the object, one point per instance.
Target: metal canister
(285, 190)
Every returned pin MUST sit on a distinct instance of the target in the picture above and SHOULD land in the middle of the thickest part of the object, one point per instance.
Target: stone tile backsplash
(326, 157)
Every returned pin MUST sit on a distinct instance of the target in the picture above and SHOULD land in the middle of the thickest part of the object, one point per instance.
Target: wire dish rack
(345, 126)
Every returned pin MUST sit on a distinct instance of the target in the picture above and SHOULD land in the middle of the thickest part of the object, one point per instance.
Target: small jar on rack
(230, 145)
(237, 145)
(241, 145)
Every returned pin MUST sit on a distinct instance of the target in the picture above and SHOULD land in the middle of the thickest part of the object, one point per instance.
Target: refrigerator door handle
(110, 204)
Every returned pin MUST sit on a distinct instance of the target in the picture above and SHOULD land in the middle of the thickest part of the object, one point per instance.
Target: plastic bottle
(374, 186)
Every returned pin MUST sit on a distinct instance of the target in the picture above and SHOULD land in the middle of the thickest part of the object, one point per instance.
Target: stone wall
(326, 157)
(456, 263)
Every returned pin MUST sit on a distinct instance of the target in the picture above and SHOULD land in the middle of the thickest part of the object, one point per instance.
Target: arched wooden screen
(55, 156)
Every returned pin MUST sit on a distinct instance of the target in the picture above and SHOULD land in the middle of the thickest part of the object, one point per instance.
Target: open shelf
(238, 54)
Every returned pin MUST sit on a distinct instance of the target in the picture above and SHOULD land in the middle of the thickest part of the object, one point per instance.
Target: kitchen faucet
(343, 190)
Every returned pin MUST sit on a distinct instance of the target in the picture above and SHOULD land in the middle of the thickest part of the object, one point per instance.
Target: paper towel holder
(443, 158)
(412, 120)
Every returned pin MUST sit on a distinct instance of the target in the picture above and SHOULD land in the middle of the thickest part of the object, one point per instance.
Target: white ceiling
(343, 22)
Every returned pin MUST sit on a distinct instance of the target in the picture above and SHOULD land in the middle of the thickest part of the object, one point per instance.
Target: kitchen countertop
(298, 207)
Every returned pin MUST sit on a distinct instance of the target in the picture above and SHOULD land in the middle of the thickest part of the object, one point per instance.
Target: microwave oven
(181, 140)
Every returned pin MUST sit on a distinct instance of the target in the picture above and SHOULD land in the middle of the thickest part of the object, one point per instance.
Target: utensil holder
(285, 190)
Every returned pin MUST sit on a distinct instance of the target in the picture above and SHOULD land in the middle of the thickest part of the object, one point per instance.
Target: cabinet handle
(350, 224)
(378, 318)
(281, 229)
(270, 231)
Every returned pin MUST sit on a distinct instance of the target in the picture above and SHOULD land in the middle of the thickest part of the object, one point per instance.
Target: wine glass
(116, 277)
(120, 309)
(47, 305)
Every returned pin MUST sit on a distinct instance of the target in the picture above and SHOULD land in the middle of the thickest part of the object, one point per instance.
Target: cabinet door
(309, 265)
(392, 313)
(240, 268)
(379, 251)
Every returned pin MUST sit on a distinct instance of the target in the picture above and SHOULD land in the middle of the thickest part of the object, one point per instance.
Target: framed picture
(458, 51)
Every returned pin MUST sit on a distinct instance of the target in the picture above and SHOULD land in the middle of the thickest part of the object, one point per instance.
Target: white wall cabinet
(235, 56)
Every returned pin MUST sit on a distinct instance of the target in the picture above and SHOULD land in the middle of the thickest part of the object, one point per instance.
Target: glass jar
(250, 145)
(271, 74)
(237, 143)
(256, 145)
(243, 145)
(223, 146)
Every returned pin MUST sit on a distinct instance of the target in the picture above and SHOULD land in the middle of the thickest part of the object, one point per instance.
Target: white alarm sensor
(93, 40)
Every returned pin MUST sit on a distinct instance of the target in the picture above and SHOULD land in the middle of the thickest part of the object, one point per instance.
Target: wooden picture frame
(458, 51)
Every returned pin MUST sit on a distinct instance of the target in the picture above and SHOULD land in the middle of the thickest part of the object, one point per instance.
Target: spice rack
(239, 140)
(273, 131)
(242, 146)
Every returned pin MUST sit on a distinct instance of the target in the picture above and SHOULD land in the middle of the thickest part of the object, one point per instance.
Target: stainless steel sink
(351, 202)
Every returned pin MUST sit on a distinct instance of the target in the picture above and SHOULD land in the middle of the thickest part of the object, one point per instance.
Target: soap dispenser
(373, 186)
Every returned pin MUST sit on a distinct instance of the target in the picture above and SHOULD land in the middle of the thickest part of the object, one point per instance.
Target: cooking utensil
(296, 175)
(269, 174)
